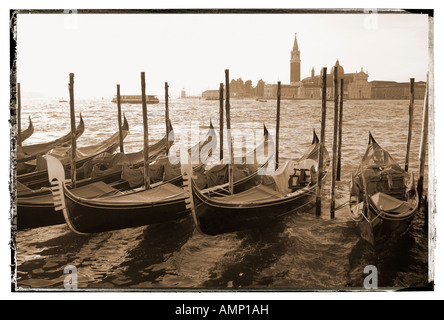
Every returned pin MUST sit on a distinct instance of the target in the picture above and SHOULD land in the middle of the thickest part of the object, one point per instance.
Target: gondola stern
(125, 123)
(315, 137)
(370, 138)
(266, 133)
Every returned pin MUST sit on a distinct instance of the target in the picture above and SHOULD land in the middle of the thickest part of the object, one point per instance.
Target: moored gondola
(291, 187)
(383, 198)
(39, 178)
(163, 202)
(35, 208)
(26, 155)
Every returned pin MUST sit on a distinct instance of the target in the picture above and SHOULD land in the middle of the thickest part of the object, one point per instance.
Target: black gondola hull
(214, 220)
(86, 218)
(36, 216)
(383, 233)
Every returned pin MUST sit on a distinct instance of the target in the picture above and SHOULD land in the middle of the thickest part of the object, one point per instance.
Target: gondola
(39, 178)
(25, 134)
(163, 202)
(262, 204)
(35, 208)
(383, 197)
(26, 155)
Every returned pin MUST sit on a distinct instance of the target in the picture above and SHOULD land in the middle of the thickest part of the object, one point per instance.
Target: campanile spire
(295, 63)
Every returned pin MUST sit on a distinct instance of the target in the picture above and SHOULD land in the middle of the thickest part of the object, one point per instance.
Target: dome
(340, 69)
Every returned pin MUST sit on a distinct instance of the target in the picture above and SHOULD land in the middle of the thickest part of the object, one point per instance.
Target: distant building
(183, 94)
(396, 90)
(356, 85)
(295, 64)
(210, 95)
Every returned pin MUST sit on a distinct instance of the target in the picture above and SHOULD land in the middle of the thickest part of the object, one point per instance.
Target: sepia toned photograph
(222, 150)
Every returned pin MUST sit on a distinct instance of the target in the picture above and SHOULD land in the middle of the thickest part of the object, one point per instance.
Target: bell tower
(295, 63)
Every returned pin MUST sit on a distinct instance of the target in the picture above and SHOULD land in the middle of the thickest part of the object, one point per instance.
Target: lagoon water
(299, 252)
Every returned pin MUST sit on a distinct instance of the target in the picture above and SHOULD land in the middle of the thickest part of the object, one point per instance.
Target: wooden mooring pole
(221, 121)
(341, 111)
(19, 116)
(119, 119)
(229, 138)
(409, 136)
(278, 123)
(73, 131)
(321, 143)
(146, 171)
(335, 144)
(167, 118)
(423, 145)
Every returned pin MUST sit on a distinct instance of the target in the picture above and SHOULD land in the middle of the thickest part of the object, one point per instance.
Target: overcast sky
(191, 51)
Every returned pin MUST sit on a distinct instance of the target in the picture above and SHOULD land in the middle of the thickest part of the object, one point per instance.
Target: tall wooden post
(278, 121)
(423, 145)
(73, 131)
(335, 145)
(19, 115)
(321, 143)
(146, 173)
(119, 119)
(229, 138)
(221, 120)
(341, 107)
(409, 136)
(167, 117)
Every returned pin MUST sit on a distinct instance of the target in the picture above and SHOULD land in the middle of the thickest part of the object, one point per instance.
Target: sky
(191, 51)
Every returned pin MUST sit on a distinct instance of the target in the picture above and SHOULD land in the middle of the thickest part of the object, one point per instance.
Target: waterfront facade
(356, 85)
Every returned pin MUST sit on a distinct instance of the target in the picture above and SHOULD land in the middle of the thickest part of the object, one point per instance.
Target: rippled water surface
(297, 253)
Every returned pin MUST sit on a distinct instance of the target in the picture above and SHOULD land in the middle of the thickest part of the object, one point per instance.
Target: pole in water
(409, 135)
(229, 138)
(221, 120)
(278, 121)
(145, 134)
(73, 131)
(119, 119)
(341, 107)
(321, 143)
(335, 145)
(423, 145)
(19, 116)
(167, 118)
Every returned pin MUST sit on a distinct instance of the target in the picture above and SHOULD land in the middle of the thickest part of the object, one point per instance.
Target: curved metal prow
(56, 174)
(187, 176)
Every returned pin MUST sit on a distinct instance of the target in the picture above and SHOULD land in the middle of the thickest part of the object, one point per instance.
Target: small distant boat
(261, 204)
(25, 134)
(383, 198)
(136, 99)
(261, 100)
(61, 101)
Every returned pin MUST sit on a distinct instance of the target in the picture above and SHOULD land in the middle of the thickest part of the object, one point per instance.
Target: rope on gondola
(342, 205)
